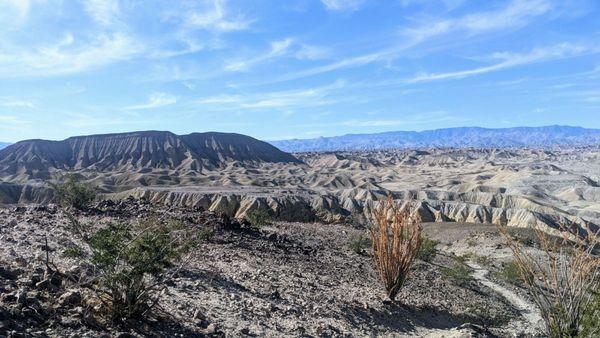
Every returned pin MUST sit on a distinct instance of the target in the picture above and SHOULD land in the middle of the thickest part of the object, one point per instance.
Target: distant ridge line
(460, 137)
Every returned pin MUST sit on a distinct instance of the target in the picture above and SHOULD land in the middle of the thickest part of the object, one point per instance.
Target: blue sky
(295, 68)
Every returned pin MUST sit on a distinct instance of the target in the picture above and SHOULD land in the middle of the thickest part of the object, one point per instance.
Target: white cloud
(350, 62)
(66, 56)
(310, 97)
(516, 14)
(342, 5)
(156, 100)
(105, 12)
(15, 9)
(310, 52)
(510, 60)
(214, 16)
(277, 49)
(18, 104)
(449, 4)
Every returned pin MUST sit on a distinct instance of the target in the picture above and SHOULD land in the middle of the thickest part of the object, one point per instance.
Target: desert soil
(283, 280)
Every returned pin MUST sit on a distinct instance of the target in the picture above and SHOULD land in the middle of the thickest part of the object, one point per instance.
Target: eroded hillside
(515, 187)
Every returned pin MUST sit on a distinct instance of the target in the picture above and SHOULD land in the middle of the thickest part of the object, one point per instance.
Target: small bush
(428, 249)
(459, 274)
(510, 272)
(484, 261)
(206, 234)
(73, 252)
(132, 264)
(396, 240)
(590, 323)
(258, 218)
(71, 193)
(359, 243)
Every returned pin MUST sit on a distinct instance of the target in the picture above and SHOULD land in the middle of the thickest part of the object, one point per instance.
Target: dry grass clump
(562, 280)
(396, 240)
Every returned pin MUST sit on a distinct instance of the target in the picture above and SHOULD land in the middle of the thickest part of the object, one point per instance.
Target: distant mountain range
(4, 145)
(549, 136)
(136, 152)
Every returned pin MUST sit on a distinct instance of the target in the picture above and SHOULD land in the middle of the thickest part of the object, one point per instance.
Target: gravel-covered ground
(284, 280)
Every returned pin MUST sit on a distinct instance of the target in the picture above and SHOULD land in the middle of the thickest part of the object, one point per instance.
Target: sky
(296, 68)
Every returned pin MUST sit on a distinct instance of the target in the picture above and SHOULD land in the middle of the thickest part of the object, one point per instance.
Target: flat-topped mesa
(37, 159)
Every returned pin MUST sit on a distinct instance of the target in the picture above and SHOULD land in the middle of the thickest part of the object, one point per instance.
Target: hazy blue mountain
(451, 137)
(4, 145)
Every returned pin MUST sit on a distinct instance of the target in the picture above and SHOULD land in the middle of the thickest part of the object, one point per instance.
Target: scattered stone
(69, 299)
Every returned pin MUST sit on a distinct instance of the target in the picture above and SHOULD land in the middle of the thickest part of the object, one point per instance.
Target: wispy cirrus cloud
(287, 47)
(67, 55)
(214, 15)
(16, 103)
(104, 12)
(155, 100)
(277, 48)
(515, 14)
(510, 60)
(343, 5)
(14, 9)
(290, 99)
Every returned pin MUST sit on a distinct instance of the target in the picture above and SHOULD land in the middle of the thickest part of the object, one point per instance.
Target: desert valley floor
(301, 275)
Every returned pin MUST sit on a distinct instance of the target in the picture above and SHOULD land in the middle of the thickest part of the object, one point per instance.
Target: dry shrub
(396, 240)
(562, 279)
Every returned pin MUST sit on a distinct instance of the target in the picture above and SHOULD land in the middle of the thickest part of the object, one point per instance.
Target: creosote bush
(428, 249)
(510, 271)
(73, 252)
(396, 240)
(563, 280)
(359, 243)
(70, 192)
(258, 218)
(133, 262)
(459, 273)
(590, 323)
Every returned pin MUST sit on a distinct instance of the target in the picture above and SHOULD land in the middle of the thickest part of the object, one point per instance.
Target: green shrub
(459, 274)
(484, 261)
(71, 193)
(359, 243)
(510, 272)
(73, 252)
(131, 264)
(428, 249)
(258, 218)
(206, 234)
(590, 323)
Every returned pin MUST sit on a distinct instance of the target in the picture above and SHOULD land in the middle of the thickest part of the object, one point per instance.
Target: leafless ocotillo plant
(562, 279)
(396, 238)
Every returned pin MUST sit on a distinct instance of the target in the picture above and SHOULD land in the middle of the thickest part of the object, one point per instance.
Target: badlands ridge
(233, 174)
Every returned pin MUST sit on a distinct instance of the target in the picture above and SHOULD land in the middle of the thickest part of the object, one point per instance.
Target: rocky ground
(283, 280)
